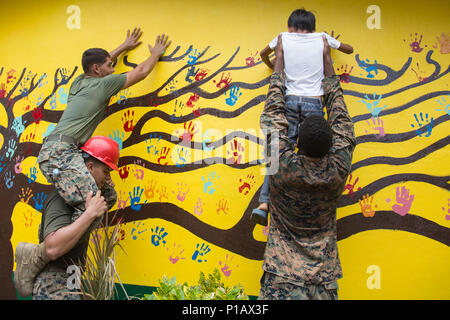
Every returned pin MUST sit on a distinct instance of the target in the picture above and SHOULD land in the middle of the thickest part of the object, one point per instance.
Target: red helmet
(104, 149)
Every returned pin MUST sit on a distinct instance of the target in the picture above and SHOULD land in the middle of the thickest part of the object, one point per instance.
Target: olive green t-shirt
(86, 103)
(57, 214)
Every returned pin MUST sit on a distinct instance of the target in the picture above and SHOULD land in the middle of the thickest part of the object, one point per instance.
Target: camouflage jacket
(304, 192)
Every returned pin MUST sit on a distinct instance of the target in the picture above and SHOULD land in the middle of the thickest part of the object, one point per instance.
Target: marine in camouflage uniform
(301, 259)
(63, 166)
(60, 158)
(54, 282)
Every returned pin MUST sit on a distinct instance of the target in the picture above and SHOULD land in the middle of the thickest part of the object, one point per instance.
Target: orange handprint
(149, 189)
(366, 206)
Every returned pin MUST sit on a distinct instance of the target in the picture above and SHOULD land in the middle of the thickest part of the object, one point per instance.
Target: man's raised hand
(131, 41)
(160, 46)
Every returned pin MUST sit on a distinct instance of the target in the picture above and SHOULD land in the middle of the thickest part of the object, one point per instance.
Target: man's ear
(89, 165)
(95, 68)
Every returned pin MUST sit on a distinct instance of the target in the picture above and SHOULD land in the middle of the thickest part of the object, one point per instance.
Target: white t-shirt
(303, 61)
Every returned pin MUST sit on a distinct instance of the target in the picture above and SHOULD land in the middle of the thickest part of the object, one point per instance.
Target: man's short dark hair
(301, 19)
(93, 56)
(315, 137)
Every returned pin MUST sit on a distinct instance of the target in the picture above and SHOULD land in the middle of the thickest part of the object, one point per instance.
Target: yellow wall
(409, 264)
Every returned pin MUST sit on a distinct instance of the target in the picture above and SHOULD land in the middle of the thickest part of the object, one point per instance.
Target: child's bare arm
(265, 56)
(345, 48)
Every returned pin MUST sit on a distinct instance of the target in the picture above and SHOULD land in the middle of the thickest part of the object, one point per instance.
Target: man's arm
(129, 43)
(264, 54)
(143, 69)
(273, 117)
(338, 117)
(60, 242)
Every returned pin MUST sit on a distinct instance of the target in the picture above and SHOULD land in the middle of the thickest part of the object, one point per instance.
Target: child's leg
(292, 115)
(309, 107)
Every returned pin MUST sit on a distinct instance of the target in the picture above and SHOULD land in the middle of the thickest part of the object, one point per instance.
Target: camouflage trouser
(274, 287)
(53, 286)
(63, 166)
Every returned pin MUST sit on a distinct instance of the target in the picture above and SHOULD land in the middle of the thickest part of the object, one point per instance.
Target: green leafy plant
(97, 280)
(208, 288)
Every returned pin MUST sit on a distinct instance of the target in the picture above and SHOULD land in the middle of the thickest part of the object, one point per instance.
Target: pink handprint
(377, 125)
(415, 44)
(404, 201)
(122, 204)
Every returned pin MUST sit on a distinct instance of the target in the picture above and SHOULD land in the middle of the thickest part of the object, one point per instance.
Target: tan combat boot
(30, 260)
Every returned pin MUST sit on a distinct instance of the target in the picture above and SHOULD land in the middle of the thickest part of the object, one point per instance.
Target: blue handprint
(53, 102)
(372, 106)
(64, 76)
(62, 95)
(208, 184)
(39, 201)
(12, 146)
(444, 104)
(182, 154)
(193, 56)
(9, 180)
(152, 145)
(158, 235)
(191, 73)
(200, 252)
(123, 96)
(428, 127)
(42, 81)
(118, 138)
(136, 229)
(135, 198)
(231, 100)
(18, 126)
(23, 91)
(33, 175)
(369, 69)
(2, 165)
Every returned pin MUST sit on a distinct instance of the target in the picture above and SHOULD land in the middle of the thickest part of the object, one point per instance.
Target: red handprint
(247, 184)
(10, 76)
(2, 90)
(224, 81)
(189, 132)
(127, 120)
(123, 172)
(344, 76)
(201, 75)
(37, 114)
(351, 187)
(192, 99)
(28, 138)
(197, 113)
(236, 149)
(250, 61)
(163, 155)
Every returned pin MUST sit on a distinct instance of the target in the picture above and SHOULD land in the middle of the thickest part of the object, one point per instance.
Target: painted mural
(192, 152)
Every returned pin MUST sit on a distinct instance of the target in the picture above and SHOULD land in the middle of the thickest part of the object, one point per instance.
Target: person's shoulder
(55, 201)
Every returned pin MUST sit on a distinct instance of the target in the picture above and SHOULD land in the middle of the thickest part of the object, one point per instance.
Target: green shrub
(210, 288)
